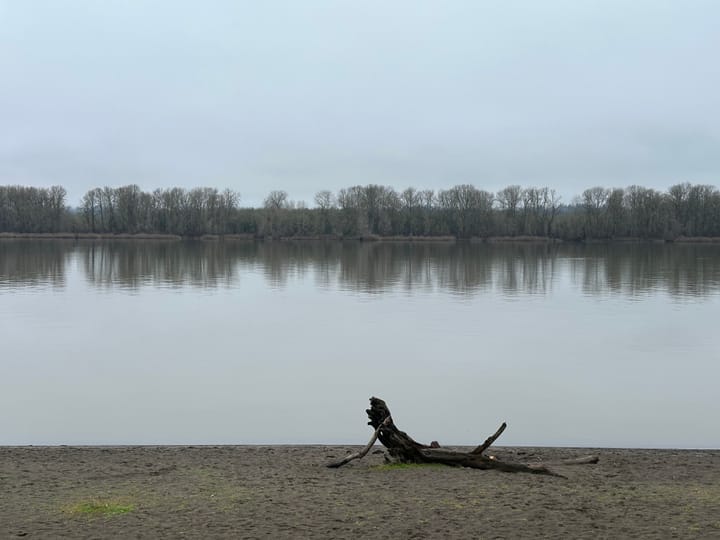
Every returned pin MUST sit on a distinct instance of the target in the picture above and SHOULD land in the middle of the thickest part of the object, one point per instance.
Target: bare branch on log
(364, 451)
(491, 439)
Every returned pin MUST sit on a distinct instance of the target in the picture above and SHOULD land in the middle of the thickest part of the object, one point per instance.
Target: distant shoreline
(365, 238)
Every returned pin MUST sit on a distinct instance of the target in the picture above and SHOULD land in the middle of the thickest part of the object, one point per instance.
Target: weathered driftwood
(404, 448)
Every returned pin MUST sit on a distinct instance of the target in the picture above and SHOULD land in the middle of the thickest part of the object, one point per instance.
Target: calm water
(203, 343)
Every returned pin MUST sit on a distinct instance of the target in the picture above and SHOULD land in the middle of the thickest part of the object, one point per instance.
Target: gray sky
(313, 95)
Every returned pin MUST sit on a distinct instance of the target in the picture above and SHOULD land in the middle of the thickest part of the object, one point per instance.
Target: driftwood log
(403, 448)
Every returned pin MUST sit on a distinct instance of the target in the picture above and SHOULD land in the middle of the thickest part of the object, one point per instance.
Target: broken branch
(364, 451)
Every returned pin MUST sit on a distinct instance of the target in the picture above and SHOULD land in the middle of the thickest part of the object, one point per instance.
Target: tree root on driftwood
(405, 449)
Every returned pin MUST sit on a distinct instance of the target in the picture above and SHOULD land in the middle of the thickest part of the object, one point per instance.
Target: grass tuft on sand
(101, 507)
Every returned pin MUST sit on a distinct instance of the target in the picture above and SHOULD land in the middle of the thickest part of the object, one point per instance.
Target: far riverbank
(364, 238)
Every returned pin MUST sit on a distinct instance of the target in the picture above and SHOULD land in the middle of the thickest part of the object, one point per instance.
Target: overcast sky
(310, 95)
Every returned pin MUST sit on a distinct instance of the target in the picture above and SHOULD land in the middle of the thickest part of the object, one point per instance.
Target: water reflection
(133, 264)
(638, 270)
(461, 269)
(34, 264)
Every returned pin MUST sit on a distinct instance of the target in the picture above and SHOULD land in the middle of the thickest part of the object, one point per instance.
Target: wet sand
(287, 492)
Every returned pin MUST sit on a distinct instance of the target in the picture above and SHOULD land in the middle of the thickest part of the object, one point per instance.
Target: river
(161, 342)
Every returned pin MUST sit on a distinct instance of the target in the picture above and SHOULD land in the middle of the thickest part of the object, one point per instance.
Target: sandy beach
(287, 492)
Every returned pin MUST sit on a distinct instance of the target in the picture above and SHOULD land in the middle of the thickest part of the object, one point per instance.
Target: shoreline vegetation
(683, 213)
(364, 238)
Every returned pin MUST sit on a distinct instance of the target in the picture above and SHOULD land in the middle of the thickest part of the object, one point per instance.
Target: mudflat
(287, 492)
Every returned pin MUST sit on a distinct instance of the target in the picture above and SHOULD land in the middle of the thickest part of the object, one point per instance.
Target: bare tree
(325, 201)
(509, 201)
(594, 202)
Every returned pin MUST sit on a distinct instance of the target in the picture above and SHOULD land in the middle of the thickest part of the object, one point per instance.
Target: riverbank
(87, 236)
(287, 492)
(364, 238)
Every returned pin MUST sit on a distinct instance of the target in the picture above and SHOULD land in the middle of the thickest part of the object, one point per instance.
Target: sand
(286, 492)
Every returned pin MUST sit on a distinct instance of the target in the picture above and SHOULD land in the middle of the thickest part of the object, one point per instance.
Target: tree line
(463, 211)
